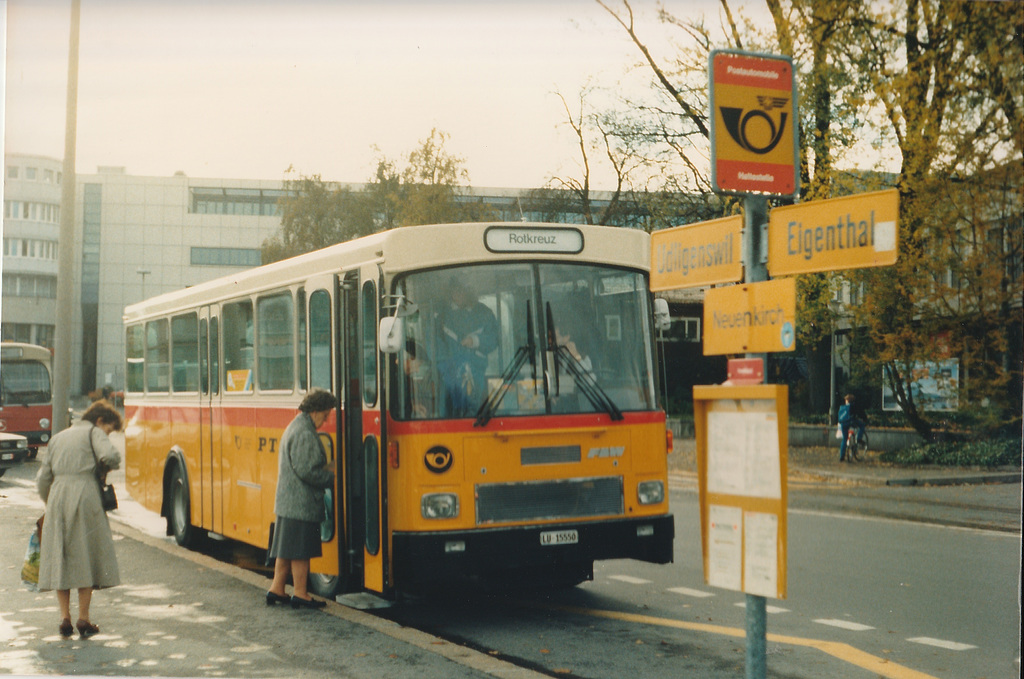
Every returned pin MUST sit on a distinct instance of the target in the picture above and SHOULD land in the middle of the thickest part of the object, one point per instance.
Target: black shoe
(86, 629)
(277, 598)
(307, 603)
(66, 628)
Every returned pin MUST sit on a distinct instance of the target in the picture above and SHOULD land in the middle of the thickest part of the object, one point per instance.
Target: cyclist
(848, 420)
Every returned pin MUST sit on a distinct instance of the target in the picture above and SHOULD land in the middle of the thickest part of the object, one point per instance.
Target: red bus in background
(26, 397)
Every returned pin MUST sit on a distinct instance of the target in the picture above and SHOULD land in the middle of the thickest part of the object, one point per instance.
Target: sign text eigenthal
(829, 235)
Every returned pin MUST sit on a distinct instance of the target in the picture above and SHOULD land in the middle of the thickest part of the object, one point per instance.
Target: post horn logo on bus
(753, 101)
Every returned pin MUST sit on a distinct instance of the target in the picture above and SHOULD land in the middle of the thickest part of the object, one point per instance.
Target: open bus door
(322, 329)
(362, 462)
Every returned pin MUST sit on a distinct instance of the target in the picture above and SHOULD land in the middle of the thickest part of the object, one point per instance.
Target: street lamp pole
(143, 272)
(66, 240)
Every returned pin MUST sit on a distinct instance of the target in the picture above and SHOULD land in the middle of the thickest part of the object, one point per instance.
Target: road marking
(844, 624)
(940, 643)
(883, 667)
(686, 591)
(767, 609)
(630, 579)
(905, 522)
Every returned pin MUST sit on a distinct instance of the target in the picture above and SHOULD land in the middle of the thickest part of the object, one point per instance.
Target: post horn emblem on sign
(736, 123)
(438, 459)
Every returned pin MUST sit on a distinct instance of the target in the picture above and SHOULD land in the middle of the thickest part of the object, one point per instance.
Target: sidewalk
(823, 464)
(181, 613)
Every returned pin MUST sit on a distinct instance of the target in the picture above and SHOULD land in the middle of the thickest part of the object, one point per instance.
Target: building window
(225, 257)
(246, 202)
(30, 173)
(12, 171)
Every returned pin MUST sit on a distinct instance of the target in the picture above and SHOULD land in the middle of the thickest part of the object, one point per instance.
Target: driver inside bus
(468, 334)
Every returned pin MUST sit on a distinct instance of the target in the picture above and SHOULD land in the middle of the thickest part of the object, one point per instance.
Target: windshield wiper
(585, 380)
(508, 376)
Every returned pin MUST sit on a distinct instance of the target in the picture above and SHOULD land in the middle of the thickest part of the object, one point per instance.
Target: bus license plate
(559, 537)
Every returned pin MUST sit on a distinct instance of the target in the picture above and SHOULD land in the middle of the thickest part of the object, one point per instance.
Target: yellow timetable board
(742, 437)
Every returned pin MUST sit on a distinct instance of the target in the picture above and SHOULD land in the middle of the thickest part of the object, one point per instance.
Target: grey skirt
(295, 539)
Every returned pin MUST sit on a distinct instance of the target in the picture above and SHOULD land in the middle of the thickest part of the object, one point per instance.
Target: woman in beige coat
(76, 549)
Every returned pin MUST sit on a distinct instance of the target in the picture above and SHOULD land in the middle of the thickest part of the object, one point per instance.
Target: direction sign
(754, 140)
(705, 253)
(827, 235)
(750, 318)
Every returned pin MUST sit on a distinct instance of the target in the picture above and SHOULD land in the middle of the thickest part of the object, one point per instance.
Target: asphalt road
(883, 581)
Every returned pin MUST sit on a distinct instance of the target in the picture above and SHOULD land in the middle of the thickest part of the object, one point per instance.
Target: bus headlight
(439, 506)
(44, 423)
(650, 492)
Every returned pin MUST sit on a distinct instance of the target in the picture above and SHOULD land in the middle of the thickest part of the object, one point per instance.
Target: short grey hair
(318, 401)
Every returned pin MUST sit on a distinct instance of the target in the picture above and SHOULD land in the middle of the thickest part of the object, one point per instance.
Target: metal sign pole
(755, 238)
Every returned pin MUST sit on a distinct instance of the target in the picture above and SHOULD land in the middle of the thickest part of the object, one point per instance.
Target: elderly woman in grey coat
(303, 474)
(76, 548)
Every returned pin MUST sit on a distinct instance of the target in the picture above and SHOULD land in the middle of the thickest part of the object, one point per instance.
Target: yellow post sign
(750, 318)
(754, 124)
(827, 235)
(699, 254)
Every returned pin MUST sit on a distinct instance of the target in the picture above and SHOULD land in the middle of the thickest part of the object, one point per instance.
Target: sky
(245, 89)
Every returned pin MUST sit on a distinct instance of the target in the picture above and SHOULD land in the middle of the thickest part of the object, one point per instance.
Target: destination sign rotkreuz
(706, 253)
(828, 235)
(528, 239)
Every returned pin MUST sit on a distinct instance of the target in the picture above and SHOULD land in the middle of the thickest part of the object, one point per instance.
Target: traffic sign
(754, 140)
(750, 318)
(705, 253)
(827, 235)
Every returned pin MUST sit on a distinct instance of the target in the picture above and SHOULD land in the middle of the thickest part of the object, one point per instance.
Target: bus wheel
(179, 517)
(326, 586)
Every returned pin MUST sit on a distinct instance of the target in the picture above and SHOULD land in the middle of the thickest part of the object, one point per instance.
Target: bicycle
(854, 446)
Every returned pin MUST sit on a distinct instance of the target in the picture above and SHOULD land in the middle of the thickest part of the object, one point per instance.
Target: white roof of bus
(401, 249)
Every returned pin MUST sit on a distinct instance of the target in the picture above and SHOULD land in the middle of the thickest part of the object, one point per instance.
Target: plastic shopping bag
(839, 432)
(30, 571)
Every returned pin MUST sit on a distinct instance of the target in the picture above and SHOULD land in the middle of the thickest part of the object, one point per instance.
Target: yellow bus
(498, 420)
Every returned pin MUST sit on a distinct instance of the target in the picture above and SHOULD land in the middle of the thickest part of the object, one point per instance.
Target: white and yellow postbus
(498, 416)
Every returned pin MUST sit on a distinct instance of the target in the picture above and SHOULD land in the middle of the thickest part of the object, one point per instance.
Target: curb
(955, 480)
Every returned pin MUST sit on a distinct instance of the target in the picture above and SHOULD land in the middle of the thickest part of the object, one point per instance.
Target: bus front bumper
(449, 556)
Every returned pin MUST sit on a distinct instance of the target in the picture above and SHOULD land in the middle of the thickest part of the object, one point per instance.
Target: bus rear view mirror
(662, 318)
(390, 334)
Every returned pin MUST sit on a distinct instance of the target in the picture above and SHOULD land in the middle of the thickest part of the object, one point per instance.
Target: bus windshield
(523, 339)
(24, 382)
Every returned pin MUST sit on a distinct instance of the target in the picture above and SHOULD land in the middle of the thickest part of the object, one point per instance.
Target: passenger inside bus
(469, 333)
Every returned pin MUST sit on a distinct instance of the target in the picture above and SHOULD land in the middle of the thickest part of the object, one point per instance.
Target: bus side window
(157, 356)
(214, 356)
(275, 342)
(320, 369)
(303, 338)
(238, 351)
(368, 313)
(185, 353)
(135, 362)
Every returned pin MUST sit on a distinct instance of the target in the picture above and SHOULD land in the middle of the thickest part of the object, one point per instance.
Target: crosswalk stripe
(630, 579)
(767, 609)
(941, 643)
(686, 591)
(844, 624)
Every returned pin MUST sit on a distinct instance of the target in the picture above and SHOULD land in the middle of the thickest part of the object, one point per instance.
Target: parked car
(13, 450)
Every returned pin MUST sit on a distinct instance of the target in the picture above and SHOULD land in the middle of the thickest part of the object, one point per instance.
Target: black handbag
(108, 498)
